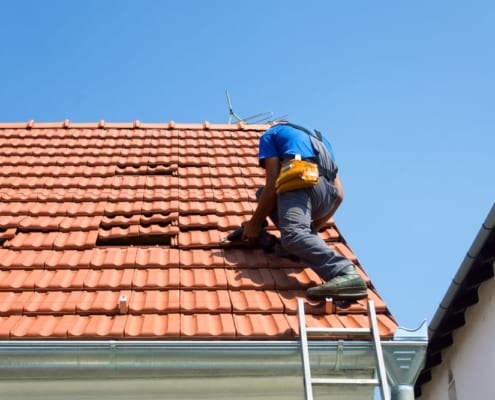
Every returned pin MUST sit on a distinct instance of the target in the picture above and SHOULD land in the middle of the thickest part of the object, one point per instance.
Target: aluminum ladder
(381, 376)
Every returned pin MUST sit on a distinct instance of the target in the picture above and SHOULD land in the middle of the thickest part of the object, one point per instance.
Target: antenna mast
(231, 110)
(264, 117)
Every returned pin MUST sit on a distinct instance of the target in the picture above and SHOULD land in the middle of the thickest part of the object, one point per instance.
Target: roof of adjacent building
(462, 294)
(113, 231)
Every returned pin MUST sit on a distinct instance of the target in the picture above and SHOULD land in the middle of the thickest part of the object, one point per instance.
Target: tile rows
(114, 231)
(143, 257)
(129, 152)
(130, 182)
(174, 326)
(128, 161)
(127, 301)
(17, 198)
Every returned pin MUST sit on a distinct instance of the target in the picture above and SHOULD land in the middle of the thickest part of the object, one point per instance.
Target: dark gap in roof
(153, 240)
(105, 227)
(161, 224)
(161, 169)
(196, 163)
(36, 229)
(199, 210)
(154, 165)
(111, 216)
(146, 170)
(163, 213)
(197, 228)
(129, 166)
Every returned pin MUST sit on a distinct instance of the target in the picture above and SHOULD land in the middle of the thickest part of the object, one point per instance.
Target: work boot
(348, 285)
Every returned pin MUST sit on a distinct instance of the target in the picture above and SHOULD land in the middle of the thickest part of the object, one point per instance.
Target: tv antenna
(264, 117)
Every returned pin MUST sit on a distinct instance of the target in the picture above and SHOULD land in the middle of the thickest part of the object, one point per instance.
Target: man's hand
(267, 202)
(251, 231)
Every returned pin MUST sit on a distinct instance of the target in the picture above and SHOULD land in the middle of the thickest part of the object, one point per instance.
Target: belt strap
(329, 173)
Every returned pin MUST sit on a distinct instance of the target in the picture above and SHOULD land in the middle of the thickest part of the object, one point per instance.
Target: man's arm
(267, 201)
(318, 224)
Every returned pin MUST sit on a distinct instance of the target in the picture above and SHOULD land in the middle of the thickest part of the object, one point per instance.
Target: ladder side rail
(381, 371)
(308, 389)
(381, 376)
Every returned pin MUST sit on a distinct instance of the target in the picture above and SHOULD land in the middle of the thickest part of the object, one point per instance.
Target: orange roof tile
(112, 231)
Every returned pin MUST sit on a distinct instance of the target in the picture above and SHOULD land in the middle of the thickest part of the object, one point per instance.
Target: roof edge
(473, 252)
(31, 124)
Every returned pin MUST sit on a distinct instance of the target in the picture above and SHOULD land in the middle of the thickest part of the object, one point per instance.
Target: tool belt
(297, 174)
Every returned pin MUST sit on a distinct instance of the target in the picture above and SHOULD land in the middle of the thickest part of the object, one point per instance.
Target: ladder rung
(345, 381)
(339, 331)
(381, 379)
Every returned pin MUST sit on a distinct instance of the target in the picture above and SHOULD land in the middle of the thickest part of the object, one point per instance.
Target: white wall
(471, 358)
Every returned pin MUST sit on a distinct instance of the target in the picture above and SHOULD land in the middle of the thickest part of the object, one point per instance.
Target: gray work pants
(293, 216)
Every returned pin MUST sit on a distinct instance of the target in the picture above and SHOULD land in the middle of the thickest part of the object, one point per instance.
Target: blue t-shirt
(284, 140)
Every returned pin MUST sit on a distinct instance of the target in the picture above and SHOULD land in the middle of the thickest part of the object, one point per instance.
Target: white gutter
(36, 359)
(23, 363)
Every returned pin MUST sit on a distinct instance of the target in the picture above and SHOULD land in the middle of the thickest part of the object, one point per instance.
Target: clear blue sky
(405, 90)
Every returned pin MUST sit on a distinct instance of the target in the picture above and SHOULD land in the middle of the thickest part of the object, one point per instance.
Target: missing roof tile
(151, 168)
(146, 232)
(132, 239)
(161, 169)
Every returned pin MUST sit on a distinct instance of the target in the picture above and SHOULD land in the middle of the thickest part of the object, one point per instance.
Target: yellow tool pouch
(296, 174)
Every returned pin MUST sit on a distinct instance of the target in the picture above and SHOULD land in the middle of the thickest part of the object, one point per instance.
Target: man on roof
(299, 198)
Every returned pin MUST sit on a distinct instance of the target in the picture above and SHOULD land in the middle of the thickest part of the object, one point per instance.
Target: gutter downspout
(405, 360)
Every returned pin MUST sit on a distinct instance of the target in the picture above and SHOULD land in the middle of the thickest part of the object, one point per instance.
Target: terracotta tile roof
(113, 230)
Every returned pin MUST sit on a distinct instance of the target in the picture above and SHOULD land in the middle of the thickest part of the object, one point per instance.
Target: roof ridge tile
(136, 124)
